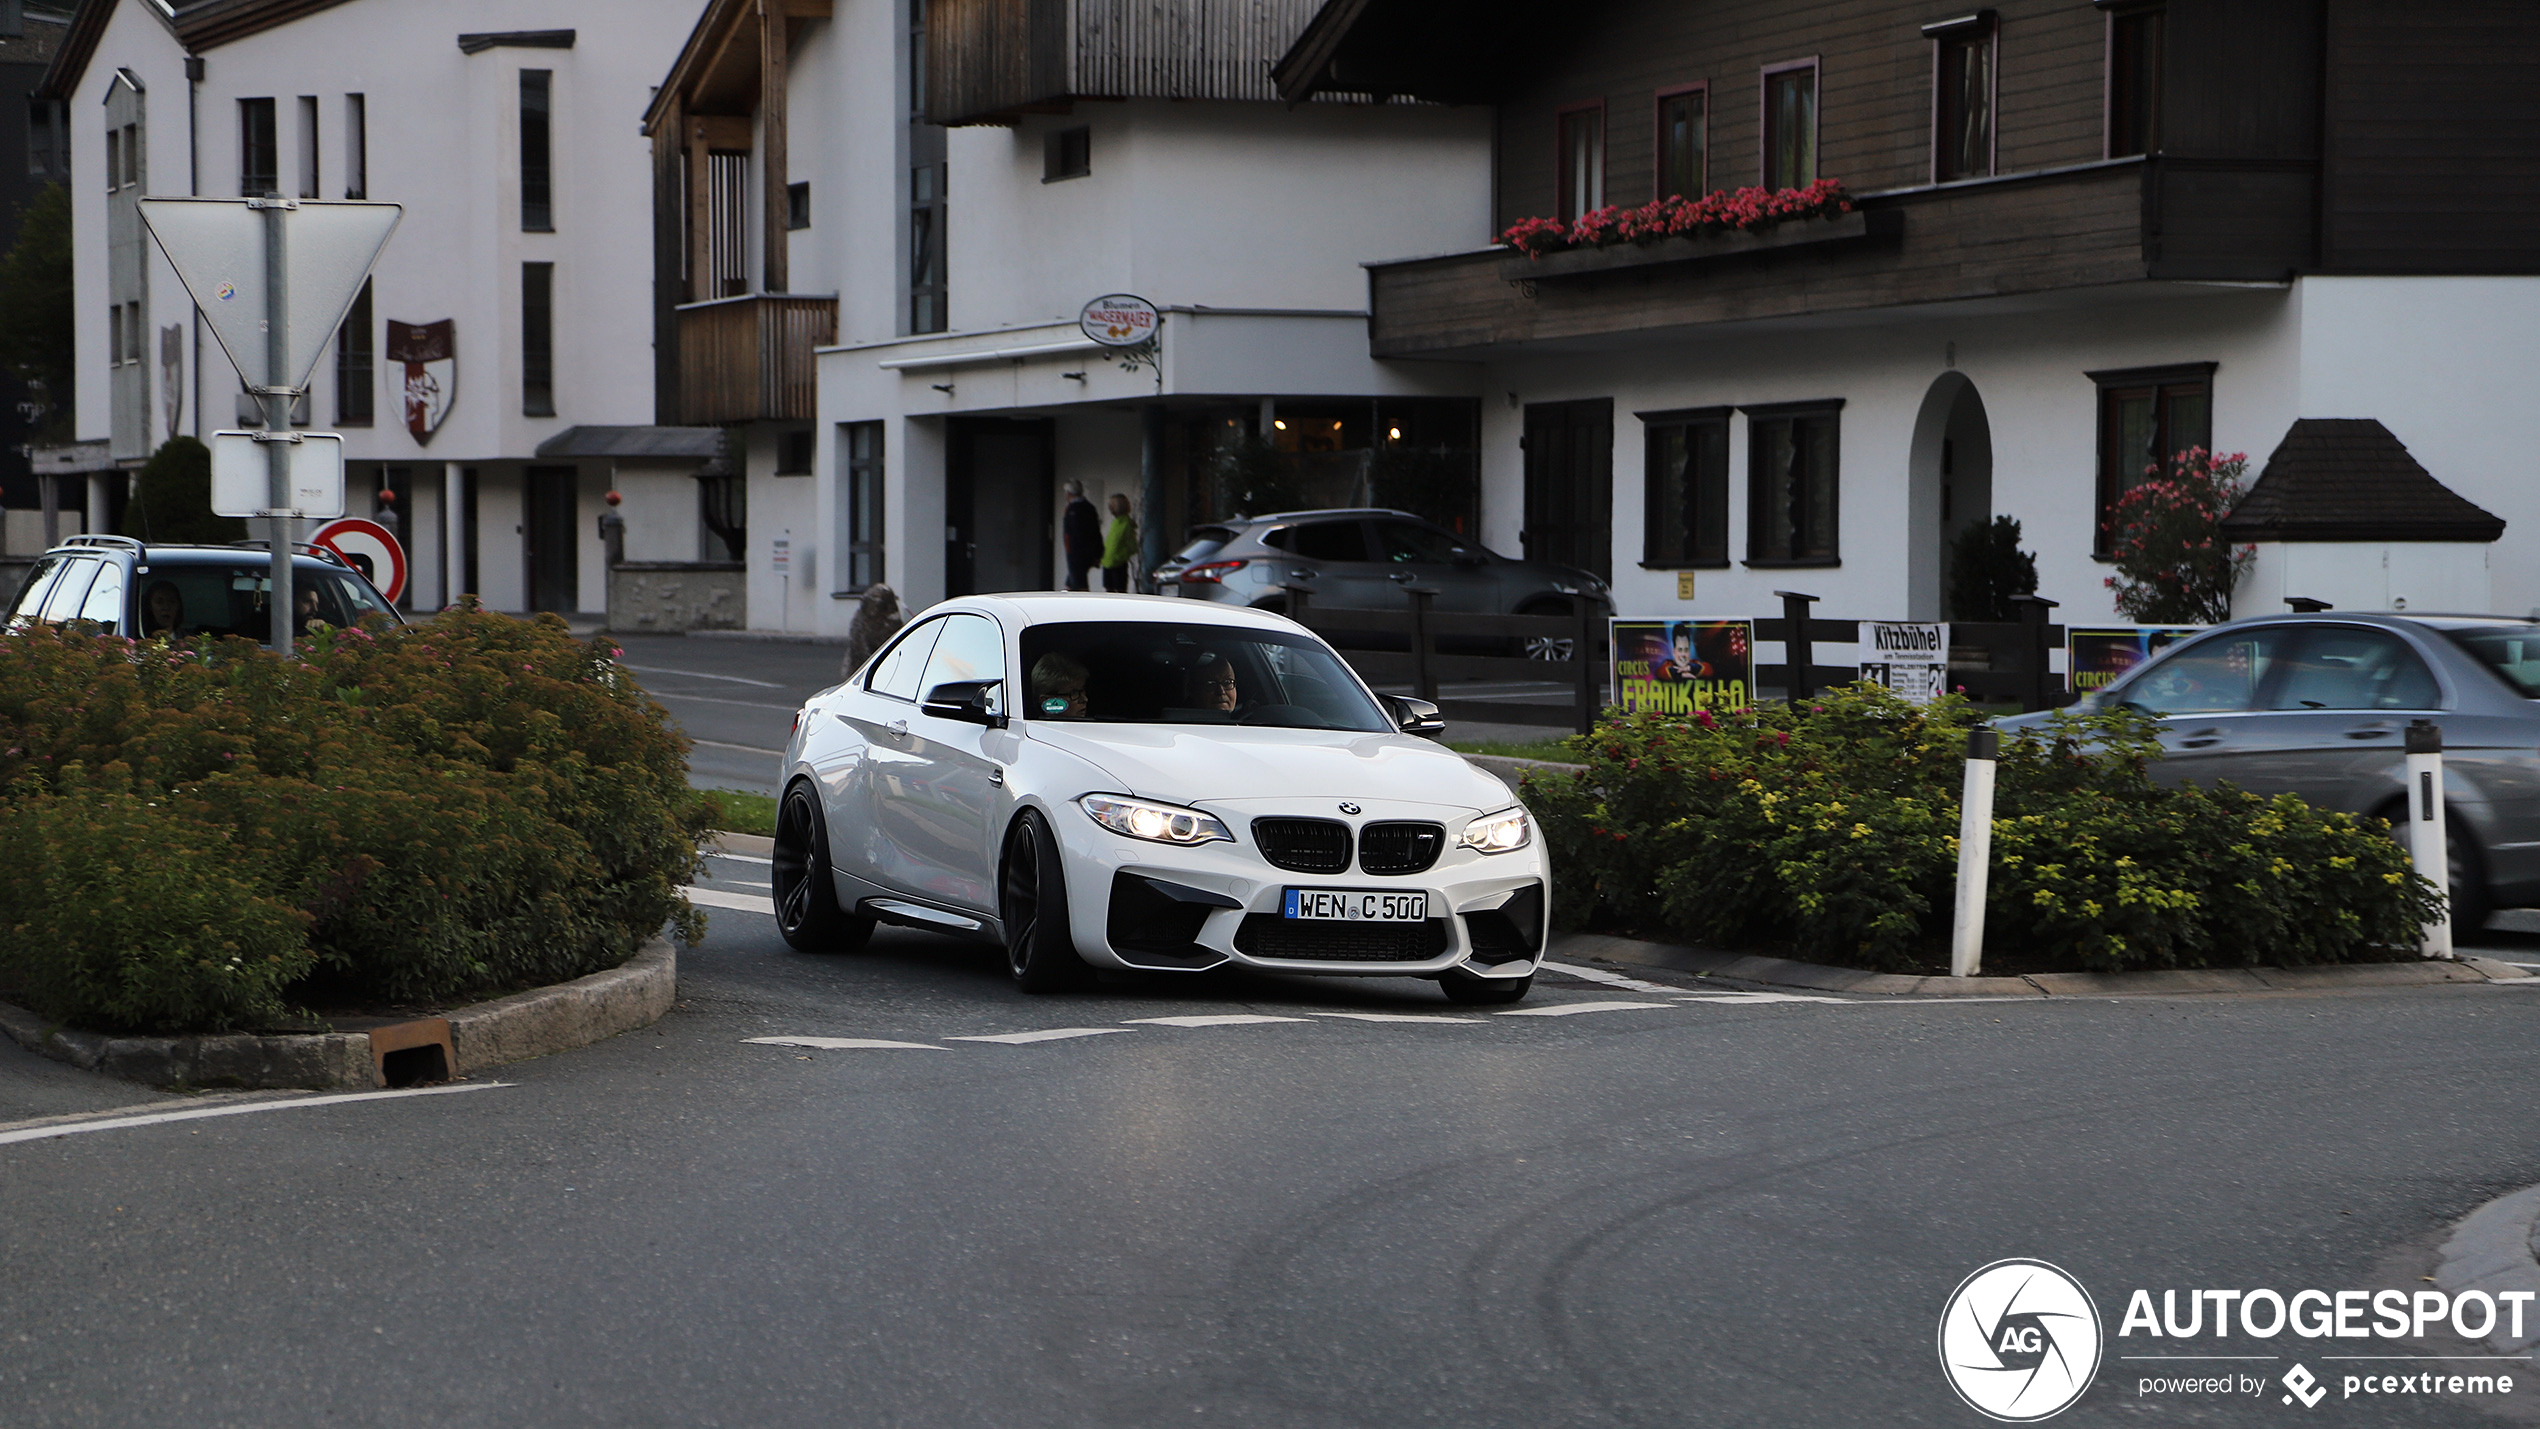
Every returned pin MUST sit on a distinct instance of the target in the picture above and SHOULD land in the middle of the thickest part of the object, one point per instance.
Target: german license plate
(1356, 905)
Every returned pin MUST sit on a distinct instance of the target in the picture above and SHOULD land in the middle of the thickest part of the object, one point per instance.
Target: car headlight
(1498, 833)
(1156, 823)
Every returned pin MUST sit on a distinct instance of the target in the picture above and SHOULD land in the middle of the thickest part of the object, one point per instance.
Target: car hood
(1186, 764)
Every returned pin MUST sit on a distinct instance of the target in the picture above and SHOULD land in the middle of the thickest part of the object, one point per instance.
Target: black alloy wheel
(1463, 987)
(807, 911)
(1040, 951)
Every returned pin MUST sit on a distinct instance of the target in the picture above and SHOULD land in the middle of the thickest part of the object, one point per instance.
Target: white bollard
(2426, 844)
(1975, 853)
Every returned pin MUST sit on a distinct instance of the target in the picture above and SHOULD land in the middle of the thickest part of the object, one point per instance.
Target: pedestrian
(1080, 528)
(877, 618)
(1119, 545)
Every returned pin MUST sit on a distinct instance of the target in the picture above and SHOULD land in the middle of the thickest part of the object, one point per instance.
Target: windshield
(2512, 651)
(1118, 672)
(189, 600)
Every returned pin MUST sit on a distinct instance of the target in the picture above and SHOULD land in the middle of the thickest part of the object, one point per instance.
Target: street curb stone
(529, 1024)
(1787, 972)
(2491, 1250)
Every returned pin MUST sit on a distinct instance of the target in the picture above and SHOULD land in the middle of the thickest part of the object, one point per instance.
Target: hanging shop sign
(1119, 320)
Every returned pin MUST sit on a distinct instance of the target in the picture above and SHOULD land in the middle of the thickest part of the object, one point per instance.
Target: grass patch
(1557, 750)
(740, 812)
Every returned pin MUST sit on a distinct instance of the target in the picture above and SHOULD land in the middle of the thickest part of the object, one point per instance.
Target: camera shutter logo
(2019, 1341)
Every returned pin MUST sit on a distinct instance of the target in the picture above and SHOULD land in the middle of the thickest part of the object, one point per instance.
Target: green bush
(446, 810)
(172, 498)
(1831, 829)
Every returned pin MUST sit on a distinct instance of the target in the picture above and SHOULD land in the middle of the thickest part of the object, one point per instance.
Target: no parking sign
(367, 547)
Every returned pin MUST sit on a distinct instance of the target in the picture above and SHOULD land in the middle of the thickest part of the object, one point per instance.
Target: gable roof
(2349, 479)
(199, 26)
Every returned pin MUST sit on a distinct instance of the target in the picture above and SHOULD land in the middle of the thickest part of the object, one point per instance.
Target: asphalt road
(1730, 1211)
(735, 698)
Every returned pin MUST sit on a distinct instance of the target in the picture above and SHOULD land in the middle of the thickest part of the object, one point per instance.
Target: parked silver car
(1363, 559)
(2318, 705)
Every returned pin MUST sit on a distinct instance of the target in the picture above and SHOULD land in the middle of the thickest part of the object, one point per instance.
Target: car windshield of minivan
(2512, 651)
(1119, 672)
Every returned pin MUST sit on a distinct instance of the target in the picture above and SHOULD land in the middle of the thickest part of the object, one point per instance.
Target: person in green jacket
(1119, 544)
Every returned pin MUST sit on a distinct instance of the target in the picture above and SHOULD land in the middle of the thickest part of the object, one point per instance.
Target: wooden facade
(750, 359)
(988, 61)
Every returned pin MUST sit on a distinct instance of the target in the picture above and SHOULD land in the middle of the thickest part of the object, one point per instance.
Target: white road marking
(1765, 997)
(737, 902)
(1051, 1035)
(119, 1123)
(846, 1044)
(713, 700)
(1609, 979)
(744, 748)
(744, 858)
(1231, 1019)
(1401, 1017)
(1568, 1008)
(702, 675)
(744, 883)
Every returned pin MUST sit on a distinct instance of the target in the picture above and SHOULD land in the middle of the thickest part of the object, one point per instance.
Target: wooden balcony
(2094, 225)
(749, 359)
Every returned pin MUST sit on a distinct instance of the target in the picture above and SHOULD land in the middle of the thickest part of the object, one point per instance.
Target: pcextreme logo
(2019, 1340)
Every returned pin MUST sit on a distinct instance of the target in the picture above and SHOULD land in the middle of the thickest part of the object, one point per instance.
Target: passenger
(1212, 684)
(162, 610)
(1058, 687)
(304, 605)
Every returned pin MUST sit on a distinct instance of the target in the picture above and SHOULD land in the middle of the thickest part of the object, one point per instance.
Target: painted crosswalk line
(737, 902)
(1404, 1017)
(1052, 1034)
(1226, 1019)
(846, 1044)
(1571, 1009)
(1601, 976)
(1737, 997)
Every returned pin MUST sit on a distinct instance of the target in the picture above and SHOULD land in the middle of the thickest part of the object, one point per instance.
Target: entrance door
(1570, 484)
(554, 576)
(1000, 477)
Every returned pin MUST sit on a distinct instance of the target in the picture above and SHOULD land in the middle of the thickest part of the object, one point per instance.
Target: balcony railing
(749, 359)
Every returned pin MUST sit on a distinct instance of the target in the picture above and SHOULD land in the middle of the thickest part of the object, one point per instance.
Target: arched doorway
(1951, 485)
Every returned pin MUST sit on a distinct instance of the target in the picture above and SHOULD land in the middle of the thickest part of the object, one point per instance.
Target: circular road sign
(367, 547)
(1118, 320)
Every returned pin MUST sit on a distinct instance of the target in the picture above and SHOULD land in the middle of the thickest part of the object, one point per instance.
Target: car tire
(2465, 870)
(1463, 987)
(800, 882)
(1040, 948)
(1542, 647)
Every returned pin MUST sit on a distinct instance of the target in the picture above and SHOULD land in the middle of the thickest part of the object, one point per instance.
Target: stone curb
(2161, 982)
(2490, 1250)
(529, 1024)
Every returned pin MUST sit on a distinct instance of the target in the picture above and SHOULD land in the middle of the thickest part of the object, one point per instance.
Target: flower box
(1853, 227)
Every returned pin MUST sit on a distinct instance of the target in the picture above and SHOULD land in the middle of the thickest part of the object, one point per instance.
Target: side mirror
(970, 701)
(1416, 716)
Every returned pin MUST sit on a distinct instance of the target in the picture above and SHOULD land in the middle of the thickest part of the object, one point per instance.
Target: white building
(943, 209)
(511, 292)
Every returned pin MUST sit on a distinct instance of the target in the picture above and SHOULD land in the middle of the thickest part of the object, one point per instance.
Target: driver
(1058, 687)
(1212, 684)
(162, 609)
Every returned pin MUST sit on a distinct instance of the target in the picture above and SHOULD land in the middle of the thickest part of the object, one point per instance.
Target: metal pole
(278, 422)
(2428, 849)
(1975, 853)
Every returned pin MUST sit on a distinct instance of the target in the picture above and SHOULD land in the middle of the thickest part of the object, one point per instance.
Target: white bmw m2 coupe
(1120, 781)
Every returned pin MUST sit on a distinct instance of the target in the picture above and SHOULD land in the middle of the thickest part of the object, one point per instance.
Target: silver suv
(1364, 559)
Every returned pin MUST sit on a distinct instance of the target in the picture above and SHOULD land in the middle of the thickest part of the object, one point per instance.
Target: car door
(1421, 554)
(942, 817)
(1335, 566)
(2210, 696)
(2343, 700)
(879, 766)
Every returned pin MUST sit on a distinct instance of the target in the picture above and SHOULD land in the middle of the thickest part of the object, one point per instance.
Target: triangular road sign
(217, 246)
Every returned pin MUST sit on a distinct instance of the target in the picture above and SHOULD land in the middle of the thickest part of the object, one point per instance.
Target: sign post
(243, 262)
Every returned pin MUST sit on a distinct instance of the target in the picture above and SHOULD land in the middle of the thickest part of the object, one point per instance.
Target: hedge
(205, 836)
(1830, 829)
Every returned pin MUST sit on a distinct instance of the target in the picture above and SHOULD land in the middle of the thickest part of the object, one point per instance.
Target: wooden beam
(774, 33)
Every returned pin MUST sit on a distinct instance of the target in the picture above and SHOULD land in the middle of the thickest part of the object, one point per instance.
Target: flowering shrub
(2165, 535)
(1831, 829)
(1676, 216)
(401, 815)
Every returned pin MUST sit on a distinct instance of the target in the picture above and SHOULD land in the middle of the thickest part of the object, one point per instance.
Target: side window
(2217, 676)
(70, 591)
(39, 584)
(105, 598)
(2353, 667)
(1325, 541)
(971, 648)
(895, 674)
(1405, 544)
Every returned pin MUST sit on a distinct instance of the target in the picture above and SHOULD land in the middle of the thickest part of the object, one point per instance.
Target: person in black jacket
(1080, 527)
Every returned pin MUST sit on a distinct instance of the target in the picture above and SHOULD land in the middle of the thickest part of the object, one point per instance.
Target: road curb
(510, 1029)
(2490, 1250)
(2158, 982)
